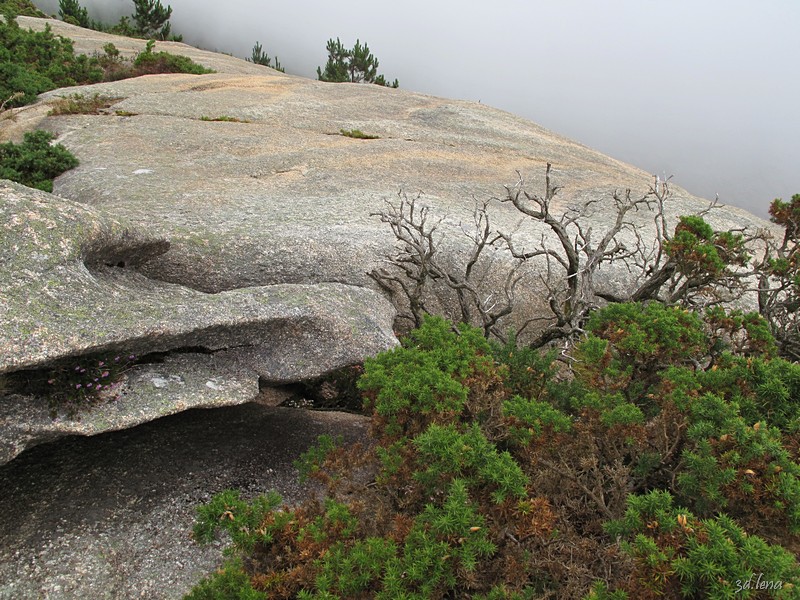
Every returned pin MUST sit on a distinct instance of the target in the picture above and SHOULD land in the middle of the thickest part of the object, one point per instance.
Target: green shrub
(702, 254)
(72, 12)
(223, 118)
(674, 551)
(228, 583)
(35, 62)
(20, 7)
(490, 476)
(148, 62)
(629, 344)
(35, 162)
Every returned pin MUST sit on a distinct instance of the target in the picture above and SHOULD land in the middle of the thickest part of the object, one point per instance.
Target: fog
(706, 91)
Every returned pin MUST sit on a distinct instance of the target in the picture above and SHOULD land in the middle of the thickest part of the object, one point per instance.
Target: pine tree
(72, 12)
(356, 65)
(152, 19)
(260, 57)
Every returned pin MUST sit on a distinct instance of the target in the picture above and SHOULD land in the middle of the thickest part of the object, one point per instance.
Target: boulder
(71, 291)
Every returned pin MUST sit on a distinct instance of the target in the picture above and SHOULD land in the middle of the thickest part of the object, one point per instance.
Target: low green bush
(35, 162)
(223, 119)
(20, 7)
(148, 62)
(493, 473)
(35, 62)
(677, 554)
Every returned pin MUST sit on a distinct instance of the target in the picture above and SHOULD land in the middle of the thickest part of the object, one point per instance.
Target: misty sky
(706, 90)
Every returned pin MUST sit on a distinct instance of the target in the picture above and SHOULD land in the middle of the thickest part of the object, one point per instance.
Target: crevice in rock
(130, 250)
(335, 390)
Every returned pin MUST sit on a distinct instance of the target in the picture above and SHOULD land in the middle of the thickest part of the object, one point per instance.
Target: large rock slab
(283, 197)
(70, 289)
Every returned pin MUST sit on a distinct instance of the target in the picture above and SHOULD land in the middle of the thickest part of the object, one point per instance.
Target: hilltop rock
(249, 219)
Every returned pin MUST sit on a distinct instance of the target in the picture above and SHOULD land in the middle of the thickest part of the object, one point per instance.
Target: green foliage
(352, 65)
(20, 7)
(423, 381)
(489, 475)
(779, 285)
(630, 343)
(358, 134)
(710, 558)
(736, 467)
(242, 519)
(151, 19)
(223, 118)
(537, 414)
(312, 459)
(443, 540)
(149, 62)
(35, 162)
(259, 57)
(745, 334)
(600, 591)
(35, 62)
(349, 570)
(228, 583)
(700, 253)
(72, 12)
(445, 453)
(529, 370)
(787, 215)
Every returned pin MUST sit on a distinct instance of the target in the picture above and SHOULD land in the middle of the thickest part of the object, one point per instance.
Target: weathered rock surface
(109, 516)
(62, 298)
(258, 235)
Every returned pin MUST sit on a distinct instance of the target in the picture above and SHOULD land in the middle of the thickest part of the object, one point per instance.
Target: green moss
(357, 134)
(223, 118)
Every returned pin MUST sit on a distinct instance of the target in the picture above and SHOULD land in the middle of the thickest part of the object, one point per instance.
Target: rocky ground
(110, 516)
